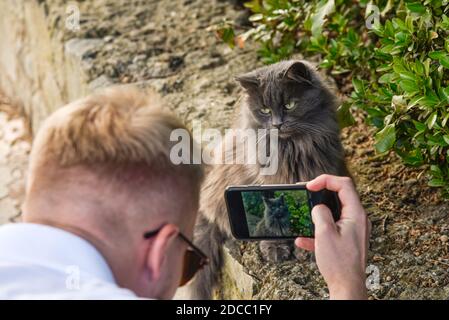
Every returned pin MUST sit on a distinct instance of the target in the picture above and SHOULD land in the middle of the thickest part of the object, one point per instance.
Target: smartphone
(283, 211)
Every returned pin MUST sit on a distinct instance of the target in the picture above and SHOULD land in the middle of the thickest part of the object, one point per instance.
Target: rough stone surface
(34, 67)
(160, 44)
(14, 151)
(8, 209)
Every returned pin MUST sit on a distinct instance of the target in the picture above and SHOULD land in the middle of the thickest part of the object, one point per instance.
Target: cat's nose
(276, 121)
(277, 124)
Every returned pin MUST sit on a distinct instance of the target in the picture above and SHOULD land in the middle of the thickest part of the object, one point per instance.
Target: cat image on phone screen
(276, 219)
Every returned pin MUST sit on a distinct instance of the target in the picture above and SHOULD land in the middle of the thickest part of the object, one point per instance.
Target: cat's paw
(275, 251)
(302, 255)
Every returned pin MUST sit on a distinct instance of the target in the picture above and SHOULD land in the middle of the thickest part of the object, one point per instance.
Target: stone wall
(35, 68)
(160, 44)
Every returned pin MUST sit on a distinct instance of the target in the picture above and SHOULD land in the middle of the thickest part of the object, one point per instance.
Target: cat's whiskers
(305, 127)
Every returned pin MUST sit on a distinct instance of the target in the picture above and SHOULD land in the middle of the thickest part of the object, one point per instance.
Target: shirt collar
(50, 246)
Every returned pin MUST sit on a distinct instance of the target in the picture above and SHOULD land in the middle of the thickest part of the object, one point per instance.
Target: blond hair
(118, 127)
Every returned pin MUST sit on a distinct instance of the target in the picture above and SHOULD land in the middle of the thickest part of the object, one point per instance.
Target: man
(107, 215)
(100, 177)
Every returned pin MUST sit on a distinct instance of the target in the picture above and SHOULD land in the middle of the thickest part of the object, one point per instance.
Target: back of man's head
(103, 162)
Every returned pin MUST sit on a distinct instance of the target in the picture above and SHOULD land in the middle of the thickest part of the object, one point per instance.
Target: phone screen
(277, 213)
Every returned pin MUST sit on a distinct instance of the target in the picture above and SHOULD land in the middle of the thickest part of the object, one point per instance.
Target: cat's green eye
(289, 106)
(265, 110)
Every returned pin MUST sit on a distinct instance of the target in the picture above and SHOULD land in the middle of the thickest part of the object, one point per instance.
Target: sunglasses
(194, 258)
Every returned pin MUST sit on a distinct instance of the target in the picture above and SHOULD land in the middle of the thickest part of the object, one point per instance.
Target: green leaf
(358, 86)
(416, 7)
(436, 55)
(385, 138)
(443, 123)
(375, 112)
(386, 78)
(389, 29)
(228, 37)
(430, 100)
(419, 67)
(432, 119)
(442, 57)
(414, 158)
(409, 86)
(414, 101)
(446, 139)
(419, 126)
(383, 68)
(435, 170)
(254, 5)
(407, 75)
(445, 61)
(324, 8)
(436, 183)
(345, 118)
(446, 93)
(436, 140)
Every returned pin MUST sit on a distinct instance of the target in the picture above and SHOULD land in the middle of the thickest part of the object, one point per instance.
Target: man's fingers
(324, 223)
(305, 243)
(322, 219)
(342, 185)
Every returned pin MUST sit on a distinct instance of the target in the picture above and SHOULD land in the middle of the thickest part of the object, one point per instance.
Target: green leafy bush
(389, 57)
(298, 207)
(253, 204)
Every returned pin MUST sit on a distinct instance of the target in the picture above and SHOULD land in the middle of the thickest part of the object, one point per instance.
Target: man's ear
(249, 81)
(159, 247)
(298, 72)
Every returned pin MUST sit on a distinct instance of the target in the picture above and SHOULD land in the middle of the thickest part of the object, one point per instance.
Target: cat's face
(287, 96)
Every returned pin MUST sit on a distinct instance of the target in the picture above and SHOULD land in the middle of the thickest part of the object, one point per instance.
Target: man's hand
(340, 247)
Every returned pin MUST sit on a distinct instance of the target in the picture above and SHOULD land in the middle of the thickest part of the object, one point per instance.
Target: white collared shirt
(43, 262)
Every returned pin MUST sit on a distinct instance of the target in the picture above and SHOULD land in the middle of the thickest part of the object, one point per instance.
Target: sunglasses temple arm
(190, 243)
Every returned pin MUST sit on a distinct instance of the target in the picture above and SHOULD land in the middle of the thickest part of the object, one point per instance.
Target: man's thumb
(322, 218)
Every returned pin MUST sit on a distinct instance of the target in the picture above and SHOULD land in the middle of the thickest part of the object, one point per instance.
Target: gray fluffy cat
(276, 218)
(291, 97)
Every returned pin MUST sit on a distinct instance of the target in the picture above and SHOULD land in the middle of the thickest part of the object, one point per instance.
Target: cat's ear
(249, 81)
(298, 72)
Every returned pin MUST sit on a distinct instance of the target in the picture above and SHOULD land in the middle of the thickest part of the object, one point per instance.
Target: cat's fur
(276, 218)
(309, 145)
